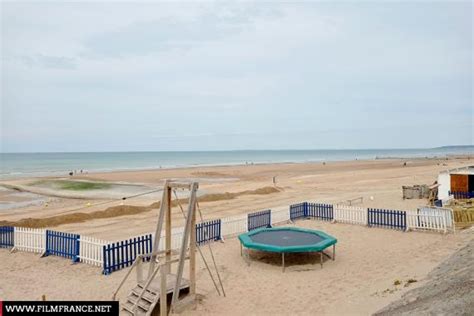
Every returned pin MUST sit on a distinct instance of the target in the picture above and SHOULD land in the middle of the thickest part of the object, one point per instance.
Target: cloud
(48, 62)
(258, 75)
(174, 33)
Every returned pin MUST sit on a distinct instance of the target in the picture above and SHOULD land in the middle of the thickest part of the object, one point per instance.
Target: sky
(123, 76)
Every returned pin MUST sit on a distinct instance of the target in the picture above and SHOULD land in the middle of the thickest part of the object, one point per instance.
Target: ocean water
(13, 165)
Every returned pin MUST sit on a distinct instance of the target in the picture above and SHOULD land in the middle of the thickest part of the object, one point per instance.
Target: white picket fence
(91, 250)
(431, 218)
(350, 214)
(447, 213)
(177, 235)
(281, 216)
(234, 225)
(29, 239)
(427, 222)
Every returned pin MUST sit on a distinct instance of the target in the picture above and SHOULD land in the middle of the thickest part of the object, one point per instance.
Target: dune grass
(82, 186)
(72, 185)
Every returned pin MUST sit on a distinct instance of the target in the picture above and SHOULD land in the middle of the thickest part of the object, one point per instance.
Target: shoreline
(64, 173)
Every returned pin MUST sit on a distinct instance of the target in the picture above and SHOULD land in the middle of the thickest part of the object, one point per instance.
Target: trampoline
(288, 240)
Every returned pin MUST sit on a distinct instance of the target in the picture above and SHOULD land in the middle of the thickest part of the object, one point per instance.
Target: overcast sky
(213, 76)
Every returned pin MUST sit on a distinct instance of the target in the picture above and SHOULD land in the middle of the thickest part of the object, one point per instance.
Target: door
(470, 183)
(459, 183)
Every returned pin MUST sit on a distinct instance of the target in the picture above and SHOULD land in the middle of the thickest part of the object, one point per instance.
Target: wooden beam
(182, 185)
(192, 254)
(186, 239)
(168, 228)
(163, 291)
(159, 227)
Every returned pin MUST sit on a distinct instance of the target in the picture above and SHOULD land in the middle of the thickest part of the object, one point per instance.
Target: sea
(17, 165)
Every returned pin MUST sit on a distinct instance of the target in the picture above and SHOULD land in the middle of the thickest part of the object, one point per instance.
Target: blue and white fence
(298, 210)
(432, 218)
(259, 220)
(461, 195)
(314, 210)
(234, 225)
(7, 237)
(121, 254)
(387, 218)
(113, 256)
(91, 250)
(62, 245)
(208, 231)
(30, 239)
(320, 211)
(350, 214)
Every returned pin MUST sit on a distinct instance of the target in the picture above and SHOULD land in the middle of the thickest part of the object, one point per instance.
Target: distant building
(456, 180)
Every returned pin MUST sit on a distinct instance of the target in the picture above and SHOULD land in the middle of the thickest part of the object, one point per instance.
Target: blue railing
(298, 210)
(7, 236)
(62, 245)
(462, 195)
(259, 219)
(387, 218)
(320, 211)
(119, 255)
(208, 231)
(315, 210)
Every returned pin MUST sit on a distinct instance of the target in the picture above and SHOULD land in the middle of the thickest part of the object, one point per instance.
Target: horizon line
(233, 150)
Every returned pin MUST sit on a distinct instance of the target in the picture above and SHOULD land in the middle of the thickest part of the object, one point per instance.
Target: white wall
(444, 181)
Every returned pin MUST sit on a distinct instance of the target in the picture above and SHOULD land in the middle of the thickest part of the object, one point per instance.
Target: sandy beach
(359, 282)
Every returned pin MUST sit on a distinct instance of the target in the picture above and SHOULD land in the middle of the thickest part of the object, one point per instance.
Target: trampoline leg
(321, 256)
(283, 261)
(241, 250)
(333, 252)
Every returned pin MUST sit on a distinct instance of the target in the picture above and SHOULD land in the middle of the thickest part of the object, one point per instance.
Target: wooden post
(139, 271)
(168, 229)
(159, 227)
(192, 254)
(188, 229)
(163, 291)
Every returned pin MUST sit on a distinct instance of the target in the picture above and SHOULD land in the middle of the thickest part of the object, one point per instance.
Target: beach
(360, 281)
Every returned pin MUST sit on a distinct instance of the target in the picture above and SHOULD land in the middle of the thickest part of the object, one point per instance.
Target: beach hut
(458, 182)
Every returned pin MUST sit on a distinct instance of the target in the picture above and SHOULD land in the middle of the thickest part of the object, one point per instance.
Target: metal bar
(283, 261)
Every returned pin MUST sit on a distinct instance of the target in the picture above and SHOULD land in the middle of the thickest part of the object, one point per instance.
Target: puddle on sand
(11, 199)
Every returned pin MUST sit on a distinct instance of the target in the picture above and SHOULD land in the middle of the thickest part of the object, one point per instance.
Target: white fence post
(234, 225)
(431, 218)
(29, 239)
(91, 250)
(350, 214)
(280, 216)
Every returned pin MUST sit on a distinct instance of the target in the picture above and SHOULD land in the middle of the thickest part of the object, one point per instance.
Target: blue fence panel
(62, 245)
(6, 237)
(259, 219)
(121, 254)
(320, 211)
(462, 195)
(208, 231)
(387, 218)
(298, 210)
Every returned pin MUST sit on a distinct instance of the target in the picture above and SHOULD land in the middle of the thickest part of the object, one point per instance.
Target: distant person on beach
(71, 173)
